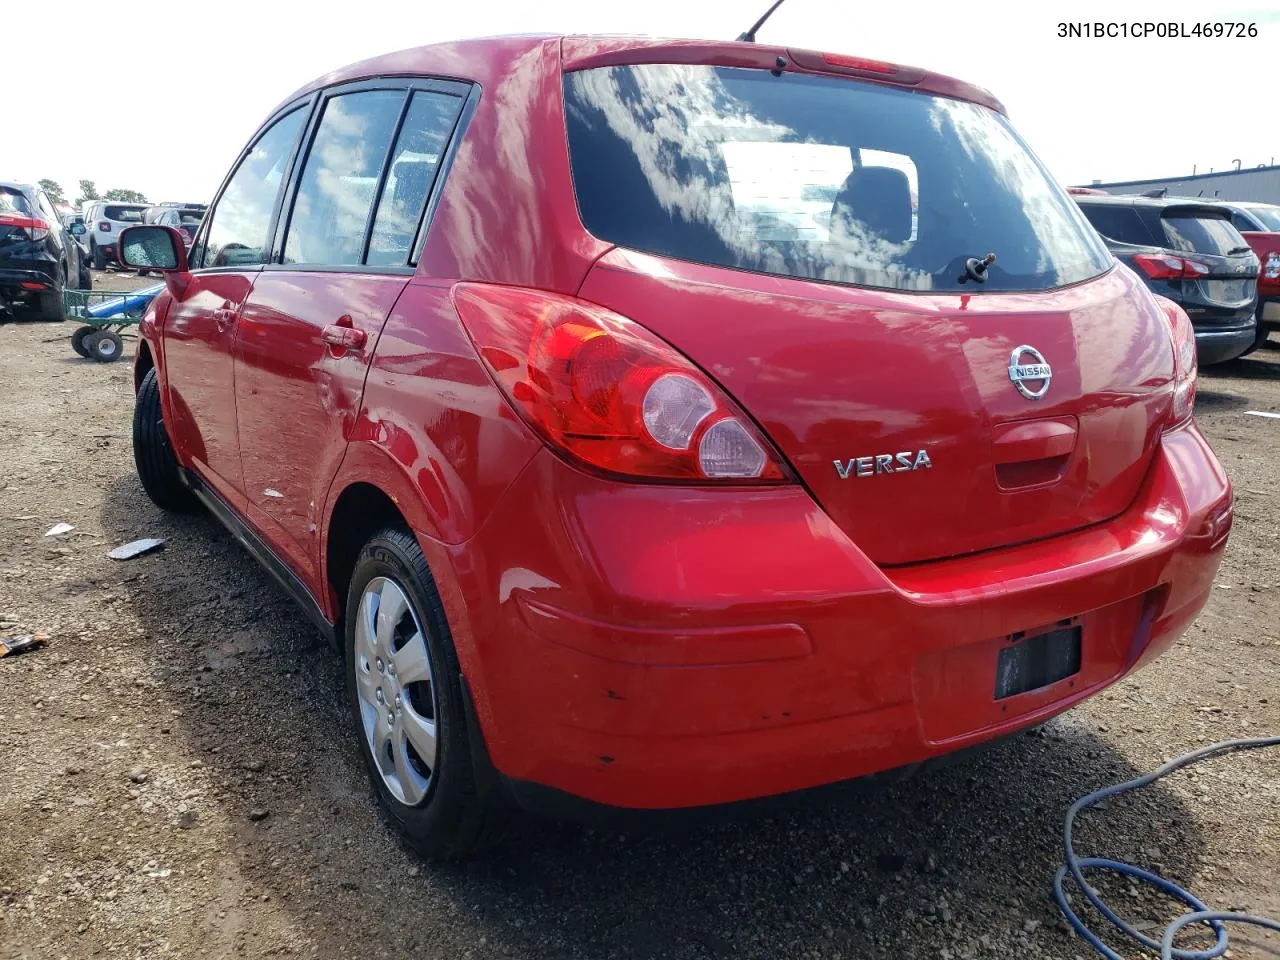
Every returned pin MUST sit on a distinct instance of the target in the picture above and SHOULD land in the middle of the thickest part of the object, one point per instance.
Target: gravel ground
(178, 779)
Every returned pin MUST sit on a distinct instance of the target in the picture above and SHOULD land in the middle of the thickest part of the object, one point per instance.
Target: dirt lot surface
(177, 776)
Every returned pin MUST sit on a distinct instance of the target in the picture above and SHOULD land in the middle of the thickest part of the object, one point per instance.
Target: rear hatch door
(16, 224)
(856, 389)
(1204, 235)
(816, 244)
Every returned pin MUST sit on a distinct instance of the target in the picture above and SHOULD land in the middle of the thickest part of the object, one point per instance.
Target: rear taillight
(606, 392)
(38, 229)
(104, 226)
(1165, 266)
(1185, 365)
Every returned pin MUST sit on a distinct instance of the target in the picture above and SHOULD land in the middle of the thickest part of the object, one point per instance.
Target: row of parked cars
(1218, 260)
(44, 252)
(104, 220)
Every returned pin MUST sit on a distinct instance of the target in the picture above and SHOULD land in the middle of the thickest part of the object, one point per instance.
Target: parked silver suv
(104, 220)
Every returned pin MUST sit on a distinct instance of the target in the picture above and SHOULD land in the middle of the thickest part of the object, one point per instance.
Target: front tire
(153, 456)
(404, 687)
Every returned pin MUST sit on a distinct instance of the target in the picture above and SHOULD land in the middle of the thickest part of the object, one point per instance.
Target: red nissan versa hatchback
(649, 425)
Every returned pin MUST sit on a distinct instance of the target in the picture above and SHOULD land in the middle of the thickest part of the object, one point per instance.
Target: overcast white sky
(158, 96)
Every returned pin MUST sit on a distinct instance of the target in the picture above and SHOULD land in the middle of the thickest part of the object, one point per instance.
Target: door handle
(1028, 440)
(224, 316)
(344, 335)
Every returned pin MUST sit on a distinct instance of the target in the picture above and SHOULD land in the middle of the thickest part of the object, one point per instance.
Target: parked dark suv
(39, 257)
(1189, 252)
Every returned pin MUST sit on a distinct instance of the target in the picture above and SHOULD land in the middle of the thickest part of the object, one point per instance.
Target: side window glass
(414, 163)
(1117, 223)
(336, 192)
(1241, 222)
(237, 234)
(46, 208)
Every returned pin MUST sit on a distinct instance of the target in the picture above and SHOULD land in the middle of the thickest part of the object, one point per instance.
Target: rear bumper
(14, 274)
(655, 648)
(1219, 346)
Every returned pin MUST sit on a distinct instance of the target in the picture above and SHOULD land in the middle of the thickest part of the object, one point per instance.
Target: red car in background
(655, 424)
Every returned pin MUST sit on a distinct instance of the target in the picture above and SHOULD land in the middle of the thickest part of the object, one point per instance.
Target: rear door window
(340, 179)
(47, 212)
(1193, 231)
(817, 177)
(1118, 223)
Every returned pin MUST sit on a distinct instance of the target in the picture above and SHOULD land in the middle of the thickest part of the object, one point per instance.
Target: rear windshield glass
(123, 214)
(14, 203)
(1268, 215)
(1195, 232)
(817, 177)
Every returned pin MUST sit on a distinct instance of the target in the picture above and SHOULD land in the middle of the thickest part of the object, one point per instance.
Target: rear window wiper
(1234, 250)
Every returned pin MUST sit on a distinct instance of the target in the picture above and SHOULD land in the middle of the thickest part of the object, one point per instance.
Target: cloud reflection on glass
(816, 177)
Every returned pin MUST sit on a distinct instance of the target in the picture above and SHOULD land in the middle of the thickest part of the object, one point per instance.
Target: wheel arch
(360, 511)
(143, 363)
(372, 490)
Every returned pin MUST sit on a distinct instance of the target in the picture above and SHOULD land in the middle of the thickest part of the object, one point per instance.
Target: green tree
(54, 190)
(87, 192)
(124, 196)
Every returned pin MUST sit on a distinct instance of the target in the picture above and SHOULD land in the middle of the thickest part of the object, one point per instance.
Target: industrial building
(1260, 184)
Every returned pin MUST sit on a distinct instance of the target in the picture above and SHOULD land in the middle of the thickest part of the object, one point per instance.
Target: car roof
(14, 185)
(486, 59)
(1129, 200)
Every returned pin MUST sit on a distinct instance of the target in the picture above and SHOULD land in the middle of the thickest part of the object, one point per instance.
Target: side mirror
(156, 248)
(77, 230)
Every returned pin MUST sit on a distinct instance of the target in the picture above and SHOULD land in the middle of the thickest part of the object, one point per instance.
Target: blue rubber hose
(1075, 867)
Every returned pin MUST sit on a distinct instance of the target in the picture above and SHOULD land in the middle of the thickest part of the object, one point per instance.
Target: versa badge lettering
(883, 463)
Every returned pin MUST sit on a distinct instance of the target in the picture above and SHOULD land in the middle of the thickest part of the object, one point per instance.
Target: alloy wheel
(394, 686)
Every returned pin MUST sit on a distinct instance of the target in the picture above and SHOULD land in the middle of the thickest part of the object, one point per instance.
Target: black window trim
(307, 103)
(410, 84)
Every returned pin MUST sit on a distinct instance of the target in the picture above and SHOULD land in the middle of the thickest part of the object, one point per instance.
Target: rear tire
(78, 338)
(52, 307)
(153, 456)
(1259, 339)
(85, 279)
(440, 811)
(99, 258)
(105, 346)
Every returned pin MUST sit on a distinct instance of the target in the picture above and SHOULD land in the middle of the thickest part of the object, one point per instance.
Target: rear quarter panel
(433, 431)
